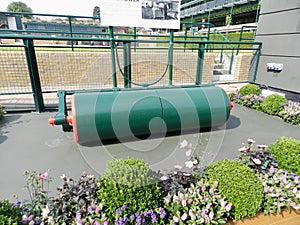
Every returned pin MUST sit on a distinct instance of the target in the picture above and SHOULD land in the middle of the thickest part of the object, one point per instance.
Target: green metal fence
(46, 63)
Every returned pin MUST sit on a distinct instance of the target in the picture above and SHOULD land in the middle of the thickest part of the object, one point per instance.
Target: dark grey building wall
(279, 30)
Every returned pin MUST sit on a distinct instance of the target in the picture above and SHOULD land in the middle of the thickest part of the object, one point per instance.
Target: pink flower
(243, 149)
(271, 170)
(228, 207)
(43, 175)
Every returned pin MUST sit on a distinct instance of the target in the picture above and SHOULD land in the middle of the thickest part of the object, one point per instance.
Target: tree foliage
(19, 7)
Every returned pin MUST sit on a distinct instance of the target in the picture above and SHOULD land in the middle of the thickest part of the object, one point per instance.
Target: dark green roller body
(128, 114)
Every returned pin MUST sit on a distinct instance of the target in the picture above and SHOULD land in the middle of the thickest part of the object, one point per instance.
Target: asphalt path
(28, 142)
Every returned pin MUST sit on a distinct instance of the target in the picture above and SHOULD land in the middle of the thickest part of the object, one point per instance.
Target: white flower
(164, 178)
(256, 161)
(188, 153)
(189, 164)
(183, 217)
(178, 167)
(175, 219)
(223, 203)
(195, 162)
(63, 176)
(262, 146)
(243, 149)
(187, 174)
(183, 144)
(192, 215)
(251, 141)
(45, 212)
(297, 207)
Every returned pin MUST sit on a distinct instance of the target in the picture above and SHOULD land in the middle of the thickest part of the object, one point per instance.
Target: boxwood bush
(249, 89)
(287, 152)
(9, 214)
(129, 183)
(273, 104)
(239, 185)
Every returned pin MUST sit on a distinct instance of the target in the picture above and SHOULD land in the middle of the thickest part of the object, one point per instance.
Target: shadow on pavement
(7, 121)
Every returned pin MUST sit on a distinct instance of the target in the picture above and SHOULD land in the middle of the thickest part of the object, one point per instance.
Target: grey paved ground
(27, 142)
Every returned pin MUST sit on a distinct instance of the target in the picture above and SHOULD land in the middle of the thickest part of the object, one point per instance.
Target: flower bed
(250, 96)
(255, 185)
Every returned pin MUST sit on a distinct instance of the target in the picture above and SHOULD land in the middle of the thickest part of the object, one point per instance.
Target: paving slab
(28, 142)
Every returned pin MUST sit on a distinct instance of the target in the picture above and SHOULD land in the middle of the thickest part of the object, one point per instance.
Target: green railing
(241, 38)
(127, 60)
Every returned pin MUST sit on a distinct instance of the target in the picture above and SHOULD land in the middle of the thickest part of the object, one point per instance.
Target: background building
(220, 12)
(279, 30)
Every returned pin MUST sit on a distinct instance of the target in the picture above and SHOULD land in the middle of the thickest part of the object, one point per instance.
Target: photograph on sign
(141, 13)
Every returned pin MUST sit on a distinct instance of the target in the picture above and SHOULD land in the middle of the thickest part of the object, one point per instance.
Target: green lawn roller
(130, 114)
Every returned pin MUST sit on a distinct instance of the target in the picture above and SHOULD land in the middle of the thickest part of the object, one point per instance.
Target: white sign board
(141, 13)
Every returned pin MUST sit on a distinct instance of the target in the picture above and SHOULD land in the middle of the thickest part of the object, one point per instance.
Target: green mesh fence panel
(14, 76)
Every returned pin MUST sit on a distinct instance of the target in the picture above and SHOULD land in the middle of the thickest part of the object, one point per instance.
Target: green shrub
(249, 89)
(287, 153)
(273, 104)
(129, 183)
(2, 111)
(9, 214)
(239, 185)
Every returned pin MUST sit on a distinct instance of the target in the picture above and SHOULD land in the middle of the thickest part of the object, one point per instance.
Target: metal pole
(257, 62)
(231, 60)
(185, 36)
(258, 6)
(171, 57)
(127, 64)
(200, 62)
(71, 32)
(240, 39)
(113, 58)
(231, 10)
(34, 75)
(135, 37)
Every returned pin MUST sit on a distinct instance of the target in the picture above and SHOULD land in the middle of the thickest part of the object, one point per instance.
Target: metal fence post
(34, 75)
(127, 64)
(231, 61)
(71, 32)
(135, 37)
(257, 62)
(171, 57)
(185, 36)
(113, 58)
(200, 62)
